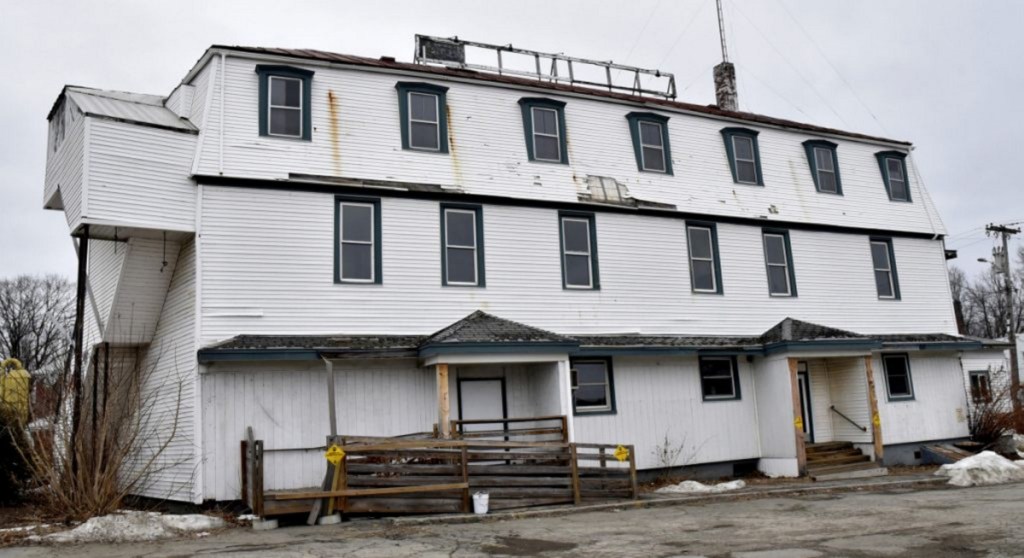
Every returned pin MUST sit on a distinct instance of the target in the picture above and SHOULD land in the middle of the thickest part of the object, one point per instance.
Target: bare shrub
(115, 451)
(992, 415)
(671, 455)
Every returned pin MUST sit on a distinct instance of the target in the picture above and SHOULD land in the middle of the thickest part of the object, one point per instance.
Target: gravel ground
(932, 523)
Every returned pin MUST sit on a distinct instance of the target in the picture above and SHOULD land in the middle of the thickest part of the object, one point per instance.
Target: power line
(748, 72)
(790, 64)
(679, 37)
(831, 65)
(640, 35)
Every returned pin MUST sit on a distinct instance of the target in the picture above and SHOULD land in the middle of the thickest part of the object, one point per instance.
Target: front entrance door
(482, 399)
(803, 379)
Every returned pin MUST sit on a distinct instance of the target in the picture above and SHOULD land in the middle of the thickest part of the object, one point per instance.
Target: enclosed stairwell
(840, 460)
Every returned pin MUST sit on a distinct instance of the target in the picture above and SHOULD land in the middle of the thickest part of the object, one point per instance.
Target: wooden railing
(553, 428)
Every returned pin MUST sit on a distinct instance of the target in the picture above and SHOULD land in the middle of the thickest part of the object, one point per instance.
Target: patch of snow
(131, 526)
(694, 487)
(1018, 441)
(986, 467)
(247, 517)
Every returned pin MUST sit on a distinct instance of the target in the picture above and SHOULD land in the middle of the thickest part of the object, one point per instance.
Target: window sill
(462, 286)
(902, 399)
(549, 162)
(651, 171)
(720, 399)
(840, 194)
(424, 150)
(770, 295)
(719, 293)
(757, 184)
(359, 283)
(287, 138)
(576, 413)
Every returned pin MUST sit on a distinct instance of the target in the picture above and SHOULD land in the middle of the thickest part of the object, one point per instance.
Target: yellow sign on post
(876, 420)
(334, 454)
(621, 453)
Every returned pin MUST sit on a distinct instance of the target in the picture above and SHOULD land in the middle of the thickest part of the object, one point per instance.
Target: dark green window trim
(478, 211)
(527, 104)
(882, 166)
(635, 118)
(910, 378)
(789, 260)
(406, 87)
(265, 71)
(736, 396)
(595, 276)
(728, 134)
(809, 147)
(377, 250)
(714, 254)
(611, 410)
(892, 267)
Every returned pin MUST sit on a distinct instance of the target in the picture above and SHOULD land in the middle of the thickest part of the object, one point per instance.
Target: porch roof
(481, 332)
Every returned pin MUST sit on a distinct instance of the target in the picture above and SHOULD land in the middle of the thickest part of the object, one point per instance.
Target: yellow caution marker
(334, 454)
(621, 453)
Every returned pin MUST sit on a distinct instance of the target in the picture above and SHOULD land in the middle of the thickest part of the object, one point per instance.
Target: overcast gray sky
(946, 75)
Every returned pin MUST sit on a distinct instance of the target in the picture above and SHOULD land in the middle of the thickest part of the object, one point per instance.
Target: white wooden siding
(848, 387)
(267, 268)
(65, 166)
(105, 262)
(356, 134)
(821, 400)
(660, 398)
(939, 408)
(139, 176)
(141, 289)
(170, 369)
(286, 404)
(773, 391)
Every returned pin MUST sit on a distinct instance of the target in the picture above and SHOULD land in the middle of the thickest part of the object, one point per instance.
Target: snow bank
(130, 526)
(694, 487)
(986, 467)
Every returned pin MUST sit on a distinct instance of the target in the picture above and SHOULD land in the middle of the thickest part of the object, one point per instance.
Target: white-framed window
(826, 169)
(744, 156)
(703, 272)
(577, 252)
(652, 146)
(547, 143)
(719, 379)
(356, 250)
(898, 382)
(981, 389)
(897, 179)
(284, 109)
(776, 258)
(592, 385)
(461, 247)
(424, 121)
(885, 277)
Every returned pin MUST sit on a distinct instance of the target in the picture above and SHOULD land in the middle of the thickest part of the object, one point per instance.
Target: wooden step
(828, 446)
(823, 455)
(837, 460)
(853, 472)
(843, 468)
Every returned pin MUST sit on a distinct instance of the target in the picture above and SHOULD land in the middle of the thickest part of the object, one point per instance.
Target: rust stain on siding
(452, 151)
(332, 109)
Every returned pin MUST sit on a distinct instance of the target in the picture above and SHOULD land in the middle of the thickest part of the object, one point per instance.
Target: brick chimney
(725, 87)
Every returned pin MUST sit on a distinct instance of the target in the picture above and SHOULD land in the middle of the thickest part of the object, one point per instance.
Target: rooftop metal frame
(426, 45)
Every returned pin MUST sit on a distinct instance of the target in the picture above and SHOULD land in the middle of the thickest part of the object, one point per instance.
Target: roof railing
(451, 52)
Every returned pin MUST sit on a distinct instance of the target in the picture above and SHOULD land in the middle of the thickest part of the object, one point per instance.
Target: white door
(482, 400)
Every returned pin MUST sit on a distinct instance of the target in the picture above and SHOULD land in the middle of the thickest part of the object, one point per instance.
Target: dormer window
(893, 165)
(650, 141)
(821, 156)
(544, 127)
(744, 157)
(284, 102)
(422, 108)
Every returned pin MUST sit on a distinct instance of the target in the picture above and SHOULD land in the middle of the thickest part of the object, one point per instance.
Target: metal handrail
(848, 419)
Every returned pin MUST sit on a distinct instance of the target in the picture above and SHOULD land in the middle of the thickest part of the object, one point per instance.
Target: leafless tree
(983, 300)
(36, 317)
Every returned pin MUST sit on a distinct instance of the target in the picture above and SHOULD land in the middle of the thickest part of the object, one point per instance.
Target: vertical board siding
(821, 400)
(65, 167)
(848, 388)
(139, 176)
(356, 133)
(144, 282)
(773, 390)
(286, 405)
(268, 268)
(939, 408)
(658, 404)
(170, 371)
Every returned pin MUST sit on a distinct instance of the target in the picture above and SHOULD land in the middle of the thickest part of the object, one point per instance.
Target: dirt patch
(898, 470)
(518, 546)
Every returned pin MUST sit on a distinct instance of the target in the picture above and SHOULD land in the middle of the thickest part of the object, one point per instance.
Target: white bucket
(480, 502)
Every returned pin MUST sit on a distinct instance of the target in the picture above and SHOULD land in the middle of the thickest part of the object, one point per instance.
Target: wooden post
(798, 419)
(575, 474)
(443, 402)
(876, 419)
(465, 479)
(604, 464)
(565, 429)
(250, 465)
(335, 486)
(632, 471)
(245, 473)
(344, 483)
(258, 480)
(76, 374)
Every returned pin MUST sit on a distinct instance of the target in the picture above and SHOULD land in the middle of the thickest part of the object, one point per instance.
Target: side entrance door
(482, 399)
(803, 379)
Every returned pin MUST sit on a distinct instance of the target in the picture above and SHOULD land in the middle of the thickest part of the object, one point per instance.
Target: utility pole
(1003, 266)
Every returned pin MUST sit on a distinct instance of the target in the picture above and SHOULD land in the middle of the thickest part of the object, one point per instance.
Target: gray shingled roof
(797, 330)
(481, 327)
(668, 341)
(321, 342)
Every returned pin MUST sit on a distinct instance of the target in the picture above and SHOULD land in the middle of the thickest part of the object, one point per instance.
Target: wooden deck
(518, 462)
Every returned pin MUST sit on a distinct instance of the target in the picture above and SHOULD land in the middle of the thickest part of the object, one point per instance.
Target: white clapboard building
(665, 274)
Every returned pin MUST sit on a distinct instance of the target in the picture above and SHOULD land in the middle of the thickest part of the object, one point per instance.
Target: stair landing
(840, 460)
